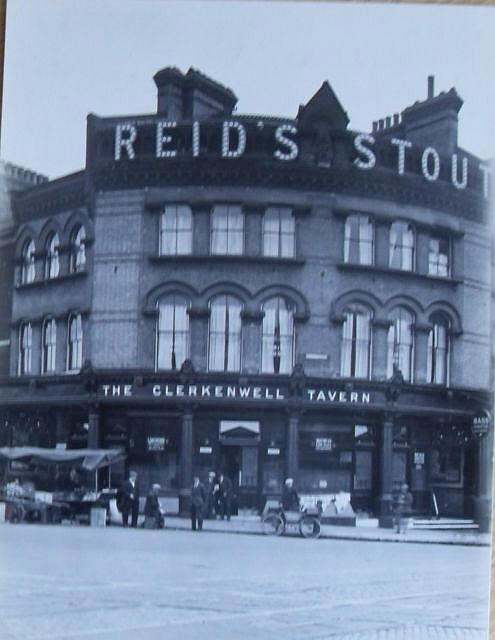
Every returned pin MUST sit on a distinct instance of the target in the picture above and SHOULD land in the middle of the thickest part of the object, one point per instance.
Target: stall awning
(89, 459)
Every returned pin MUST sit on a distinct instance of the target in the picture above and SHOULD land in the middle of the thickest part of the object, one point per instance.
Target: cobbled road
(69, 582)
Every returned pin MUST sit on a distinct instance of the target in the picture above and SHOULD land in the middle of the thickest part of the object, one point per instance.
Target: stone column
(421, 353)
(380, 349)
(94, 427)
(292, 447)
(386, 475)
(484, 468)
(186, 460)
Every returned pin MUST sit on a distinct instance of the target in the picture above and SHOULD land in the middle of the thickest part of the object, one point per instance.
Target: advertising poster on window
(246, 320)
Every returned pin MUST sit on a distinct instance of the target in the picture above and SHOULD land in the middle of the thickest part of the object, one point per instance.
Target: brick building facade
(269, 297)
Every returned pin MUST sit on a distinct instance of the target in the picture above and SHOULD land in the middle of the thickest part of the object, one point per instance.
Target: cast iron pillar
(94, 428)
(483, 498)
(386, 472)
(292, 449)
(186, 461)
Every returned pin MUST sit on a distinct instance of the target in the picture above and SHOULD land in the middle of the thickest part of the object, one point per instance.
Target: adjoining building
(265, 296)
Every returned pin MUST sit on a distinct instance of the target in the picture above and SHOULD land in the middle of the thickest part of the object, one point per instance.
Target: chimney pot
(396, 118)
(375, 125)
(431, 87)
(381, 123)
(388, 121)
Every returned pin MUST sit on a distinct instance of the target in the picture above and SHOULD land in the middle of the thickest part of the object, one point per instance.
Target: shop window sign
(323, 444)
(156, 443)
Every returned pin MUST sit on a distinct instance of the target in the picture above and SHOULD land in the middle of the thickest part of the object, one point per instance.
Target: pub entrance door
(240, 464)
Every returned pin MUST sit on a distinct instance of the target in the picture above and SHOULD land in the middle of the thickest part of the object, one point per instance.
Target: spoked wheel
(309, 527)
(273, 525)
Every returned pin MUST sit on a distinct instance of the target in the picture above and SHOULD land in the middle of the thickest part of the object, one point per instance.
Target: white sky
(67, 58)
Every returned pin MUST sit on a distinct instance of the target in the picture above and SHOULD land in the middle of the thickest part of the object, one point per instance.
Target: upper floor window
(52, 262)
(356, 343)
(224, 340)
(77, 250)
(227, 230)
(28, 265)
(277, 354)
(74, 342)
(438, 257)
(176, 230)
(25, 348)
(438, 351)
(401, 246)
(172, 346)
(49, 338)
(358, 239)
(400, 343)
(279, 233)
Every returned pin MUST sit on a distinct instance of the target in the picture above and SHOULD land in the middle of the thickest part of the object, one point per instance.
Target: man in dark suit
(198, 498)
(224, 496)
(290, 499)
(128, 500)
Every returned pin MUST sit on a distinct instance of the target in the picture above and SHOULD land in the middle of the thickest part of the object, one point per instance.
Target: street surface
(70, 582)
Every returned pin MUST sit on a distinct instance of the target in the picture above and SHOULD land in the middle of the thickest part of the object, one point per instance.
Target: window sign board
(323, 444)
(155, 443)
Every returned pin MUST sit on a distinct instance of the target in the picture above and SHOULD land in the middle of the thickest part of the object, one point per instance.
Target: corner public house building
(265, 296)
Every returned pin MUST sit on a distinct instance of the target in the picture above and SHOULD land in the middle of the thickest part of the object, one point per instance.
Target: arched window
(356, 343)
(400, 343)
(77, 260)
(49, 337)
(52, 263)
(176, 230)
(25, 348)
(279, 233)
(401, 246)
(224, 340)
(28, 266)
(74, 342)
(438, 351)
(227, 230)
(277, 353)
(358, 239)
(172, 335)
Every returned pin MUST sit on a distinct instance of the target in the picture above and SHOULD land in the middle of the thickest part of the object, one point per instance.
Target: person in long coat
(224, 496)
(128, 500)
(152, 512)
(198, 499)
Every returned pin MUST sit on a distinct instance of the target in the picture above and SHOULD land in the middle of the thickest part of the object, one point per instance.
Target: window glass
(277, 354)
(176, 230)
(356, 341)
(28, 268)
(49, 346)
(172, 332)
(438, 257)
(75, 341)
(401, 246)
(25, 348)
(227, 230)
(52, 264)
(78, 250)
(279, 233)
(224, 344)
(438, 352)
(400, 343)
(358, 239)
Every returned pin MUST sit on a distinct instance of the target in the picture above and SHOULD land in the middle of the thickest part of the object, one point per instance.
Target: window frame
(359, 242)
(230, 301)
(162, 301)
(25, 351)
(279, 214)
(79, 341)
(175, 231)
(28, 262)
(52, 257)
(230, 211)
(77, 249)
(407, 226)
(48, 351)
(353, 311)
(290, 309)
(435, 352)
(434, 266)
(393, 347)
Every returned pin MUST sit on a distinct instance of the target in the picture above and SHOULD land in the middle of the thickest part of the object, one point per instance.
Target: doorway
(240, 464)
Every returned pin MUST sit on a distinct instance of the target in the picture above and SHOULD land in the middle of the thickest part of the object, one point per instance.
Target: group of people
(212, 500)
(128, 504)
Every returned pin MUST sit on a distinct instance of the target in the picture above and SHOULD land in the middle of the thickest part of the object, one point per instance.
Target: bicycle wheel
(309, 527)
(273, 525)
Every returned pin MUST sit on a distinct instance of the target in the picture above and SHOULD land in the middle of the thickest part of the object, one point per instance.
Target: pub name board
(232, 143)
(247, 393)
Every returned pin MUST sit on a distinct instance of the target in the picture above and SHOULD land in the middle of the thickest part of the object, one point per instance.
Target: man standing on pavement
(128, 500)
(224, 496)
(210, 496)
(290, 499)
(198, 497)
